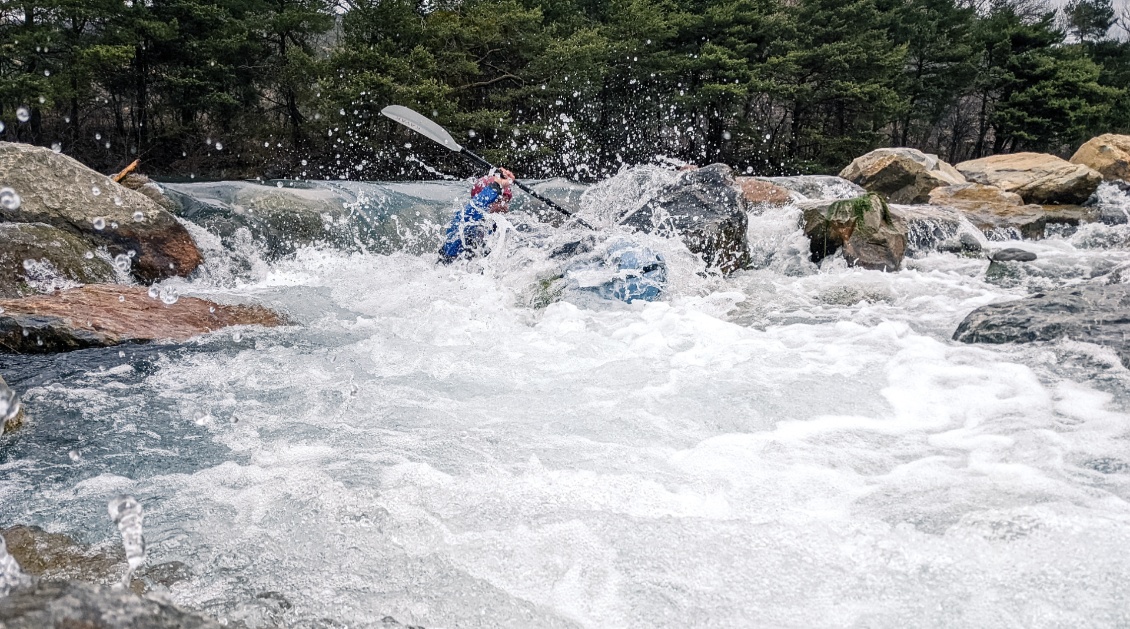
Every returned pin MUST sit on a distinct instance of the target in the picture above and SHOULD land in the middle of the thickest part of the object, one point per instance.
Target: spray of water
(125, 511)
(11, 576)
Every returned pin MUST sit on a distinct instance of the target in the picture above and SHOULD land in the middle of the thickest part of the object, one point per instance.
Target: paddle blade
(421, 125)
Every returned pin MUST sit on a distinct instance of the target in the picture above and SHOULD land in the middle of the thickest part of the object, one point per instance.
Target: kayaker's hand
(506, 179)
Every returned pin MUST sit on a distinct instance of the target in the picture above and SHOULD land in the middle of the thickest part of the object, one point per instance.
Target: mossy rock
(870, 235)
(55, 257)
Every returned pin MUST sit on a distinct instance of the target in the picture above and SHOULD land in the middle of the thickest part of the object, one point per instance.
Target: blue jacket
(466, 231)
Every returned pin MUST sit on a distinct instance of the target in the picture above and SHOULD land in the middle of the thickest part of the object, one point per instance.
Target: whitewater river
(790, 447)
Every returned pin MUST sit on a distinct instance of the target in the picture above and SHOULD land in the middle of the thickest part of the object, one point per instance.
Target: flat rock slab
(1037, 178)
(107, 315)
(74, 605)
(1095, 313)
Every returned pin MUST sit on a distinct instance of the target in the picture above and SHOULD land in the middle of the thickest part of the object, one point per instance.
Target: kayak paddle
(429, 129)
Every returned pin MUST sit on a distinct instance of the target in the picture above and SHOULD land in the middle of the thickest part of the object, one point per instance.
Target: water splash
(22, 114)
(9, 199)
(9, 402)
(125, 511)
(11, 576)
(99, 223)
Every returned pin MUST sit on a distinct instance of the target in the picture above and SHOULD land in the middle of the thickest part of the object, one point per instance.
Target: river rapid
(793, 446)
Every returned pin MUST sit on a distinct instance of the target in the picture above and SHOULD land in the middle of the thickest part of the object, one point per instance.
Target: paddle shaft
(528, 190)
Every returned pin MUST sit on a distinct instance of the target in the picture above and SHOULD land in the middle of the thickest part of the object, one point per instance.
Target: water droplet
(471, 133)
(154, 292)
(9, 199)
(107, 145)
(237, 337)
(46, 73)
(75, 456)
(219, 146)
(42, 100)
(407, 145)
(1, 127)
(89, 255)
(138, 216)
(99, 223)
(121, 354)
(266, 145)
(726, 135)
(131, 253)
(121, 298)
(114, 225)
(95, 190)
(304, 162)
(117, 201)
(28, 263)
(126, 512)
(169, 296)
(97, 136)
(122, 263)
(1, 311)
(58, 148)
(211, 309)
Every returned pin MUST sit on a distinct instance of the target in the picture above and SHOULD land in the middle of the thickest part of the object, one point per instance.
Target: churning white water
(789, 447)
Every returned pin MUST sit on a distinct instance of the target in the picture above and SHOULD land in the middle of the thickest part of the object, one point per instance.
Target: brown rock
(1037, 178)
(871, 236)
(901, 175)
(57, 557)
(1109, 154)
(991, 208)
(59, 191)
(760, 192)
(106, 315)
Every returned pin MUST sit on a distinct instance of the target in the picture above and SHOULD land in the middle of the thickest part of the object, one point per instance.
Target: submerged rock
(1037, 178)
(1108, 154)
(1013, 255)
(704, 209)
(106, 315)
(1094, 313)
(75, 605)
(870, 235)
(902, 175)
(818, 187)
(58, 191)
(39, 258)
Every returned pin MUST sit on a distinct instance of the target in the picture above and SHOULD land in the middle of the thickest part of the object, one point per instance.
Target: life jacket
(466, 233)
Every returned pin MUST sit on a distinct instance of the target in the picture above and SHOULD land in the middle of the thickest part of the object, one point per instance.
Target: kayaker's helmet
(503, 202)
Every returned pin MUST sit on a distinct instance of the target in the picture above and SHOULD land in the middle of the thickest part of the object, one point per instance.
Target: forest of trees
(575, 88)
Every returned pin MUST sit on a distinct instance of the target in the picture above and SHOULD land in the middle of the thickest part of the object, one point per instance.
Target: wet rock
(281, 220)
(141, 183)
(818, 187)
(1109, 154)
(1094, 313)
(935, 228)
(1037, 178)
(61, 192)
(759, 192)
(106, 315)
(870, 235)
(11, 409)
(40, 258)
(1013, 254)
(57, 557)
(995, 211)
(704, 209)
(902, 175)
(75, 605)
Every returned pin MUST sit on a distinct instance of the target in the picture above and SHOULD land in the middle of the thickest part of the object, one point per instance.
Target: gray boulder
(902, 175)
(705, 209)
(66, 605)
(870, 235)
(1094, 313)
(58, 191)
(1013, 254)
(35, 257)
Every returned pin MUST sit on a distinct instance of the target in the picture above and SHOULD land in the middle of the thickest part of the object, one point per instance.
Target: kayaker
(466, 236)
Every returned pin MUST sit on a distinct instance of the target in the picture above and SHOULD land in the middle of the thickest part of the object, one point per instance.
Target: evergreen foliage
(577, 88)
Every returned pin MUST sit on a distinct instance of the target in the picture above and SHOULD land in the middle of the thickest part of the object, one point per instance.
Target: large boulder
(992, 209)
(1037, 178)
(871, 236)
(76, 605)
(1096, 313)
(902, 175)
(107, 315)
(57, 190)
(703, 208)
(932, 228)
(38, 258)
(1108, 154)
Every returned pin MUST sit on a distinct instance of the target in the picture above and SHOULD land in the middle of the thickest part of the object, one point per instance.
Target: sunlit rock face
(1036, 177)
(901, 175)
